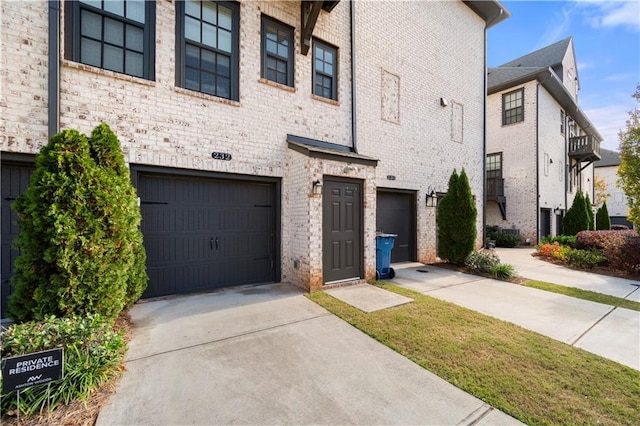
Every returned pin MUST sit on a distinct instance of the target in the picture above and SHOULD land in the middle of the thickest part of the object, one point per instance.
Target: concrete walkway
(268, 355)
(610, 332)
(533, 268)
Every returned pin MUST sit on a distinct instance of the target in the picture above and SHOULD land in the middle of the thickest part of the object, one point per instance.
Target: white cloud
(609, 120)
(619, 77)
(613, 14)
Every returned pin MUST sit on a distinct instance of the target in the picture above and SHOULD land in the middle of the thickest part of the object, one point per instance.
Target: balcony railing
(495, 188)
(584, 148)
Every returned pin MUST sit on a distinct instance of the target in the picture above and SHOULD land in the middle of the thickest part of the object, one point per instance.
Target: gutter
(53, 86)
(354, 127)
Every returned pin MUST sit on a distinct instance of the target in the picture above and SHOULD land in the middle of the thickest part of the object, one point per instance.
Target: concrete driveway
(268, 355)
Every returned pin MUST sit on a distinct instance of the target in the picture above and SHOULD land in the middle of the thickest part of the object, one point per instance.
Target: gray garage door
(15, 180)
(201, 234)
(396, 214)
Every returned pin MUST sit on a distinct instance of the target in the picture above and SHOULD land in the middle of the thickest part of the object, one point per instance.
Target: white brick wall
(617, 202)
(436, 50)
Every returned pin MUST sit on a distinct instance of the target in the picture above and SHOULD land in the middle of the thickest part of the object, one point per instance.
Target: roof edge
(493, 12)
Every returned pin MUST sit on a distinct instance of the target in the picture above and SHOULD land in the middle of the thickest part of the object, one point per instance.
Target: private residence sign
(38, 368)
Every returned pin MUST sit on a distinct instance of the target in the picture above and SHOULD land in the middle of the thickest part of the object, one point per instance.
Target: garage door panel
(209, 232)
(396, 215)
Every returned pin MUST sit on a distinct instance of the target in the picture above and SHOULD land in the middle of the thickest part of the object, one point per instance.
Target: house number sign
(221, 156)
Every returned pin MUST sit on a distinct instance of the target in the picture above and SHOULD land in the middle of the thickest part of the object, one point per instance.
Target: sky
(606, 39)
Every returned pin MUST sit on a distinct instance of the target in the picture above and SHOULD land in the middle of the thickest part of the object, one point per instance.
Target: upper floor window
(207, 47)
(325, 70)
(562, 121)
(513, 107)
(114, 35)
(277, 51)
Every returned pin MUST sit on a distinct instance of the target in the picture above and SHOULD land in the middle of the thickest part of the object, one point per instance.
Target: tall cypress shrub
(75, 224)
(603, 221)
(458, 218)
(576, 219)
(590, 213)
(107, 154)
(446, 219)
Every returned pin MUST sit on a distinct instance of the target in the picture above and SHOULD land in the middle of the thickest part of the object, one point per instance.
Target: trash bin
(384, 245)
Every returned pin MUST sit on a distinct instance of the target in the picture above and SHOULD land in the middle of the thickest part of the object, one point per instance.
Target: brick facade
(401, 73)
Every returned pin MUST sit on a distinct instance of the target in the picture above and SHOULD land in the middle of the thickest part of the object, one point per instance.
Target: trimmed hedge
(603, 221)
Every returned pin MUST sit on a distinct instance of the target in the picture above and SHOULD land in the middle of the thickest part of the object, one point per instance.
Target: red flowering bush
(621, 248)
(554, 250)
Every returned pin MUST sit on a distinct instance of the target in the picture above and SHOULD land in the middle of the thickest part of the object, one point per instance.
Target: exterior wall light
(316, 188)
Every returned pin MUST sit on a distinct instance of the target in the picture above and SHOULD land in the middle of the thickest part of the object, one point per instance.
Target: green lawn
(584, 294)
(533, 378)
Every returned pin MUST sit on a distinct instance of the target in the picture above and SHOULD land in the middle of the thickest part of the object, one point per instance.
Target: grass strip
(531, 377)
(584, 294)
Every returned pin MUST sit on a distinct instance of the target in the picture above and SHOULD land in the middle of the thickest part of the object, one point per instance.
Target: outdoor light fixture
(316, 187)
(432, 197)
(444, 102)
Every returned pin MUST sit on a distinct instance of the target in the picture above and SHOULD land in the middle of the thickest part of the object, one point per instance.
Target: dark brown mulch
(78, 413)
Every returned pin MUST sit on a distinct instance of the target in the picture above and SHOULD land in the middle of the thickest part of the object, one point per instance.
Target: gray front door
(545, 222)
(201, 234)
(15, 180)
(342, 229)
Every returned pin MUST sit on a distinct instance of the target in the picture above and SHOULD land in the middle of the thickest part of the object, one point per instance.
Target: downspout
(567, 161)
(537, 163)
(53, 101)
(354, 128)
(484, 139)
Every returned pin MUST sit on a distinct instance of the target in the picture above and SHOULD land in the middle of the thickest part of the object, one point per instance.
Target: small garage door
(201, 234)
(15, 180)
(396, 214)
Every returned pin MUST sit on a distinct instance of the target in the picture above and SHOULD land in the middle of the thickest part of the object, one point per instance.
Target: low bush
(555, 251)
(621, 248)
(501, 238)
(585, 258)
(503, 271)
(563, 240)
(93, 354)
(482, 261)
(618, 227)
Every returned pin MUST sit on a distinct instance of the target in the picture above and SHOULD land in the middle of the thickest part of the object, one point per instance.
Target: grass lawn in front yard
(531, 377)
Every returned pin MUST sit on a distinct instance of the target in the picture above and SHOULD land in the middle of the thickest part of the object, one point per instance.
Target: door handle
(211, 243)
(216, 243)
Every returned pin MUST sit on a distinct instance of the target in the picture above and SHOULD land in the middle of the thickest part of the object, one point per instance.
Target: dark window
(513, 107)
(277, 51)
(494, 165)
(207, 47)
(325, 70)
(562, 120)
(114, 35)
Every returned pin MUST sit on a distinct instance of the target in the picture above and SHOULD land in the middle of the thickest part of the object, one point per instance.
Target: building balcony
(584, 148)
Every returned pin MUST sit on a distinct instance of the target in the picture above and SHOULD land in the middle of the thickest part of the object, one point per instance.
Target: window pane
(135, 10)
(208, 60)
(224, 87)
(328, 57)
(114, 6)
(192, 8)
(113, 58)
(192, 79)
(328, 69)
(94, 3)
(271, 74)
(283, 51)
(224, 17)
(271, 34)
(192, 56)
(208, 83)
(282, 78)
(224, 40)
(319, 65)
(91, 25)
(135, 38)
(113, 32)
(319, 54)
(318, 89)
(272, 47)
(90, 52)
(133, 64)
(209, 35)
(209, 12)
(191, 29)
(224, 68)
(282, 66)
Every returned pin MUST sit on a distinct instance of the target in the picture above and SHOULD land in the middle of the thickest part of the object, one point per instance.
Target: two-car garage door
(202, 233)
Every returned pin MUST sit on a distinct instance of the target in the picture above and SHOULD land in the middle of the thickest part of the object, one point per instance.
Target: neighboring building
(607, 169)
(540, 144)
(252, 159)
